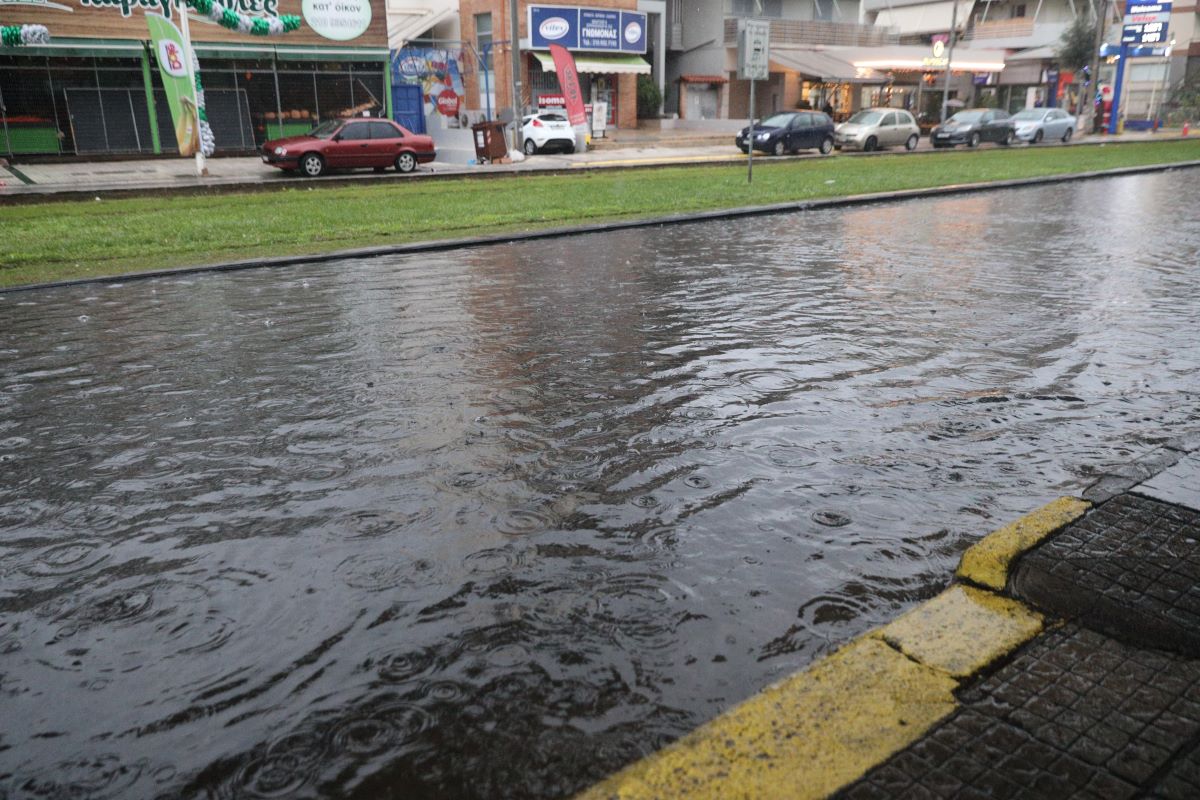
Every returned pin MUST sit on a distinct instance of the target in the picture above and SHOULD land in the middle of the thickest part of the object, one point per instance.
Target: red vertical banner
(568, 82)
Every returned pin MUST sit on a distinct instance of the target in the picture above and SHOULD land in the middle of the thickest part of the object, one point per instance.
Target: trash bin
(490, 144)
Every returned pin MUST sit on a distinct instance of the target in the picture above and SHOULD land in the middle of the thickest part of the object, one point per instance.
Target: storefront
(609, 46)
(94, 89)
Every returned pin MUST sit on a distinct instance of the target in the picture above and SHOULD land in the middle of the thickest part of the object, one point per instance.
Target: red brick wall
(501, 55)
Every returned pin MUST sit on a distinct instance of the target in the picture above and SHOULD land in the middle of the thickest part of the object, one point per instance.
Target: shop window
(31, 124)
(368, 88)
(1016, 12)
(299, 103)
(259, 86)
(335, 98)
(771, 9)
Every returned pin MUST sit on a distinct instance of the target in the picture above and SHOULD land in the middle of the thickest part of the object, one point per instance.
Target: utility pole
(949, 59)
(1093, 86)
(515, 50)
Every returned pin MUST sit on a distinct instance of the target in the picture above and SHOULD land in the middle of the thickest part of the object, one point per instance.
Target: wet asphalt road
(493, 523)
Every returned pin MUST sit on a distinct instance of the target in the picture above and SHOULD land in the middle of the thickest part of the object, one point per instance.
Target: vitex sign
(602, 30)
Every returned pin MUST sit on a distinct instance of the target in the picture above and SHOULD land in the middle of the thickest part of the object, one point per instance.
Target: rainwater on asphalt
(493, 523)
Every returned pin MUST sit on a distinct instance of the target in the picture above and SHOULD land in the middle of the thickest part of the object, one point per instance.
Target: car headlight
(762, 137)
(281, 151)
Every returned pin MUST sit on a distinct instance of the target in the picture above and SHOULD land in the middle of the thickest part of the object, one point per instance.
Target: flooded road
(494, 523)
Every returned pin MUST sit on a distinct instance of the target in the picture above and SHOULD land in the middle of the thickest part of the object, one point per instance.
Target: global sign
(601, 30)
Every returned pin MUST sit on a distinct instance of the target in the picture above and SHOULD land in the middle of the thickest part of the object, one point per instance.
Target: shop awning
(821, 66)
(924, 18)
(600, 63)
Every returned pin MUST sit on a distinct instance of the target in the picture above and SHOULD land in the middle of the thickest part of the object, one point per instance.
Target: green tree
(1075, 47)
(649, 98)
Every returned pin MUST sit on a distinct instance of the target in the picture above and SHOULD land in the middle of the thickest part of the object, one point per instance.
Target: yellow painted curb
(987, 562)
(802, 738)
(823, 728)
(962, 630)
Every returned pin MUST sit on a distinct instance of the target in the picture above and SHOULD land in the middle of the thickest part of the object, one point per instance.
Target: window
(383, 130)
(1016, 12)
(890, 119)
(483, 39)
(771, 9)
(356, 130)
(803, 121)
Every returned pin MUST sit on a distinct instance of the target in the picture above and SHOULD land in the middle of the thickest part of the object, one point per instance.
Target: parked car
(1037, 124)
(350, 143)
(873, 128)
(547, 130)
(974, 125)
(788, 132)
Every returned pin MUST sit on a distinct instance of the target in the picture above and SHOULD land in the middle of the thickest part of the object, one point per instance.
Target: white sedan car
(548, 130)
(1036, 125)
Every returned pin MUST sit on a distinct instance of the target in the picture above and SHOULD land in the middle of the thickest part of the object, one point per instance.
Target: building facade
(608, 69)
(95, 89)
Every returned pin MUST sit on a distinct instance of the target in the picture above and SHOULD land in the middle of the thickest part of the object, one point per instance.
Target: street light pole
(515, 50)
(949, 59)
(1093, 87)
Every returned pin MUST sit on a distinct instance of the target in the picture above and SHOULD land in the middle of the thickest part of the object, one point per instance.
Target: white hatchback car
(873, 128)
(547, 130)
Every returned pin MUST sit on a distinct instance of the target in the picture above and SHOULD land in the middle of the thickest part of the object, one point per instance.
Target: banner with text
(603, 30)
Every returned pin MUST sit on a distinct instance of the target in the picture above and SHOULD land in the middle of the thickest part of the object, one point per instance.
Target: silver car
(873, 128)
(1039, 124)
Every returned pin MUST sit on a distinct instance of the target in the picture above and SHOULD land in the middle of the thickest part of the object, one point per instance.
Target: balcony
(1018, 28)
(818, 32)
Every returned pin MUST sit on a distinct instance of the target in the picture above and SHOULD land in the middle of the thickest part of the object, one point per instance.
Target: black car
(789, 132)
(974, 125)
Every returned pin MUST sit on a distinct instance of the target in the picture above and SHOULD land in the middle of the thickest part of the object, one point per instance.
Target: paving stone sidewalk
(1105, 703)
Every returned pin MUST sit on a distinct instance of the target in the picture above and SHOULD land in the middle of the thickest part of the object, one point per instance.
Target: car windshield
(963, 117)
(776, 121)
(1028, 115)
(325, 129)
(865, 118)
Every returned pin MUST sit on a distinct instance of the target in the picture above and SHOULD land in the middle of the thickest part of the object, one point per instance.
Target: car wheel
(911, 144)
(1008, 138)
(779, 149)
(1067, 136)
(870, 144)
(530, 147)
(1037, 137)
(406, 162)
(570, 149)
(826, 146)
(973, 141)
(312, 164)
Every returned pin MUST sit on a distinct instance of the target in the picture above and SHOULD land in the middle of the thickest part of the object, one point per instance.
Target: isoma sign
(603, 30)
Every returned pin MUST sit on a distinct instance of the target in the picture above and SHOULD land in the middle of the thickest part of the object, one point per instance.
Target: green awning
(600, 63)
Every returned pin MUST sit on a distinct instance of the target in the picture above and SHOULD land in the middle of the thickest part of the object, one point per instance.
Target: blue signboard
(599, 30)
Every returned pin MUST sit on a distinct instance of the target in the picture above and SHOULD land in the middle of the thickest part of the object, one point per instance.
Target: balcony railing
(1001, 29)
(812, 32)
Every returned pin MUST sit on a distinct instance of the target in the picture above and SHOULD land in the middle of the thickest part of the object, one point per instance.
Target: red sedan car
(350, 143)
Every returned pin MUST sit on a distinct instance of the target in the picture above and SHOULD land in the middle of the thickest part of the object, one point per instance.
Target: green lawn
(59, 240)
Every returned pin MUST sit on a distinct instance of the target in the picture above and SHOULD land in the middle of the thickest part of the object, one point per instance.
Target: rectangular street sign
(754, 50)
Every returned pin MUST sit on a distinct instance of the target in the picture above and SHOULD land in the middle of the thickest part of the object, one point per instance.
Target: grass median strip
(62, 240)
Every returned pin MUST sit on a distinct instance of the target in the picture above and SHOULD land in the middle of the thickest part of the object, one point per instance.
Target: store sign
(339, 20)
(1145, 23)
(325, 21)
(939, 58)
(602, 30)
(437, 71)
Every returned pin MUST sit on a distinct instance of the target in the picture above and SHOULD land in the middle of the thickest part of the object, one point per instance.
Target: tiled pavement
(1106, 703)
